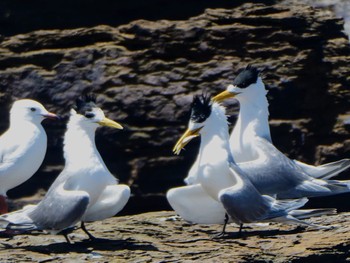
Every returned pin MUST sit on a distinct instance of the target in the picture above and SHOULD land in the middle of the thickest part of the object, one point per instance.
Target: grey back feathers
(246, 77)
(201, 108)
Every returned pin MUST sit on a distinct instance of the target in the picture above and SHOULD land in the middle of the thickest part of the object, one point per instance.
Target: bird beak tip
(110, 123)
(51, 116)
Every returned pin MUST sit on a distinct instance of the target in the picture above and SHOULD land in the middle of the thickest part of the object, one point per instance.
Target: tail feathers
(296, 216)
(21, 227)
(317, 188)
(313, 185)
(17, 220)
(325, 171)
(293, 220)
(338, 187)
(308, 213)
(335, 168)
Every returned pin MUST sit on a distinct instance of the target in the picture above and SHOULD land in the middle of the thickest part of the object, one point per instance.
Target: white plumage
(23, 145)
(85, 190)
(224, 182)
(253, 122)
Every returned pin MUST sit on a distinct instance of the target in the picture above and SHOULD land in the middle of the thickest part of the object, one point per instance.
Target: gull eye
(33, 109)
(89, 115)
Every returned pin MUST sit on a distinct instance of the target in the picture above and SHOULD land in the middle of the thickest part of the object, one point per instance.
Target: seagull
(85, 190)
(252, 122)
(22, 146)
(224, 181)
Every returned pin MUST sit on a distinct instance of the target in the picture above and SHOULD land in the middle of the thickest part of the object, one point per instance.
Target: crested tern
(252, 122)
(22, 146)
(85, 190)
(224, 181)
(271, 171)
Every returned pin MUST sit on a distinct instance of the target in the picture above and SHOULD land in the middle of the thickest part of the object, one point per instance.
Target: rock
(160, 237)
(146, 73)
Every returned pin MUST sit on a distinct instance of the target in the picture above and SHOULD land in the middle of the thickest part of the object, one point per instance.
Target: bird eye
(89, 115)
(33, 109)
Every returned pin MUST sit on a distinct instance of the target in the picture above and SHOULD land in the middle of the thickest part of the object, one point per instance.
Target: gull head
(30, 110)
(200, 111)
(246, 82)
(87, 114)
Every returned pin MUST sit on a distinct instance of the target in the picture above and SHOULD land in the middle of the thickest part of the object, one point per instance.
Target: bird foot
(218, 236)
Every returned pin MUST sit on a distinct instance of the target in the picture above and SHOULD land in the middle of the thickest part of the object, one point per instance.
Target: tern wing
(242, 201)
(245, 204)
(59, 209)
(274, 173)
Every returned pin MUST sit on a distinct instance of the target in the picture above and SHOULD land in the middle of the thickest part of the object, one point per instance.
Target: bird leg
(91, 237)
(223, 232)
(66, 237)
(239, 234)
(3, 205)
(65, 233)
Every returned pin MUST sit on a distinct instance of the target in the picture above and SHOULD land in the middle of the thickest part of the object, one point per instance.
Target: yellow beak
(109, 123)
(223, 96)
(185, 138)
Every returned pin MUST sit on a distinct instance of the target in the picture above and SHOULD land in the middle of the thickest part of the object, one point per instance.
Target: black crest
(201, 108)
(246, 77)
(85, 103)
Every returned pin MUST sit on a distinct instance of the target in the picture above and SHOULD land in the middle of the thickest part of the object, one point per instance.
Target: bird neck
(252, 121)
(215, 137)
(79, 146)
(21, 125)
(214, 154)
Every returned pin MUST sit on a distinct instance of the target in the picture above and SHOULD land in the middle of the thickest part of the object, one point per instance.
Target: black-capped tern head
(242, 84)
(90, 115)
(200, 111)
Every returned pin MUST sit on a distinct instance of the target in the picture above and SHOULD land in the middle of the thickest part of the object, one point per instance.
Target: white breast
(22, 153)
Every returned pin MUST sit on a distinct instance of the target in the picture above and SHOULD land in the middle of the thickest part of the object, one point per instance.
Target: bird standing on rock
(22, 146)
(224, 181)
(252, 123)
(271, 171)
(85, 190)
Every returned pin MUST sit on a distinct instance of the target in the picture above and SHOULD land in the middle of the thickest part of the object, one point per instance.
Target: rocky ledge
(159, 237)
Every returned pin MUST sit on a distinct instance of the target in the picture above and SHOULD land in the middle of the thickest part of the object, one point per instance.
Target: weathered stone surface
(146, 73)
(151, 237)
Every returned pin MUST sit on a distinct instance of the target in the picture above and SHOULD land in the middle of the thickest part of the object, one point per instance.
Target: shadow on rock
(86, 246)
(260, 233)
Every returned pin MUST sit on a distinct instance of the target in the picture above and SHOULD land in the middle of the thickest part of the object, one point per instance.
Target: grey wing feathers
(277, 174)
(283, 207)
(272, 172)
(245, 204)
(242, 201)
(54, 212)
(241, 209)
(58, 212)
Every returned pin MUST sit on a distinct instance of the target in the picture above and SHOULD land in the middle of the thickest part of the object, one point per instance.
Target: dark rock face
(146, 73)
(17, 16)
